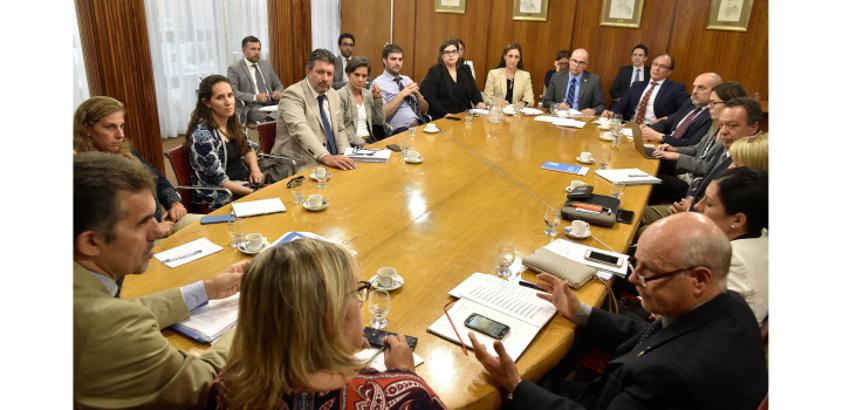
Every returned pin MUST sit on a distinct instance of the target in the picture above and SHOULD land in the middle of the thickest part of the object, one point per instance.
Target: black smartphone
(488, 327)
(603, 258)
(376, 336)
(624, 216)
(394, 147)
(453, 118)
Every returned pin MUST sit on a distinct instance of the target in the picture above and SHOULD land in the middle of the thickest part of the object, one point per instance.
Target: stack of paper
(207, 323)
(628, 176)
(567, 122)
(531, 111)
(546, 118)
(259, 207)
(188, 252)
(368, 155)
(269, 108)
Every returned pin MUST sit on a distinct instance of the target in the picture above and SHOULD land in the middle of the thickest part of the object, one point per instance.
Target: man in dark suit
(346, 43)
(649, 102)
(704, 351)
(688, 125)
(630, 74)
(575, 88)
(254, 82)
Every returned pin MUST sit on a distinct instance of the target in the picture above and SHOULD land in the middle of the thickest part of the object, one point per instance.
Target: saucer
(431, 131)
(591, 161)
(307, 206)
(568, 232)
(604, 127)
(242, 248)
(568, 188)
(419, 160)
(313, 176)
(397, 282)
(607, 138)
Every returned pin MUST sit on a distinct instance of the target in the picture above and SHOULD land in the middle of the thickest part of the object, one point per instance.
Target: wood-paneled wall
(118, 64)
(289, 38)
(674, 26)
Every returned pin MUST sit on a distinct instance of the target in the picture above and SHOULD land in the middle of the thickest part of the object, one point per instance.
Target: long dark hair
(509, 47)
(202, 114)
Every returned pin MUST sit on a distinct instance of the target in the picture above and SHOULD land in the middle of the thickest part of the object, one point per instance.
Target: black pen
(530, 285)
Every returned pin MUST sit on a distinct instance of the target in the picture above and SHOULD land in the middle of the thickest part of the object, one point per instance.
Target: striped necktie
(686, 123)
(329, 132)
(642, 107)
(572, 87)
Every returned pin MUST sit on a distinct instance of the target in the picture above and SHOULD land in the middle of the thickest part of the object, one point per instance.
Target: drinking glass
(411, 128)
(321, 174)
(379, 305)
(468, 118)
(237, 231)
(405, 145)
(552, 218)
(504, 258)
(554, 109)
(605, 158)
(617, 190)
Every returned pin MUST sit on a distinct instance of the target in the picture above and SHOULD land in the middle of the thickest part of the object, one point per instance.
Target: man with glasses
(576, 88)
(403, 103)
(688, 125)
(648, 102)
(254, 82)
(346, 43)
(630, 74)
(704, 350)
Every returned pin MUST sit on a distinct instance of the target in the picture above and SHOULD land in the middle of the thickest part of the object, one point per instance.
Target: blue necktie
(571, 89)
(637, 74)
(329, 132)
(259, 80)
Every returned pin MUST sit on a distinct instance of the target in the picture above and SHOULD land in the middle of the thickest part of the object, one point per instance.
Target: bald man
(688, 125)
(704, 352)
(575, 88)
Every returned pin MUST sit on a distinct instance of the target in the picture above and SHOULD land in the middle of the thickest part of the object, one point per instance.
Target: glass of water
(504, 258)
(617, 190)
(379, 305)
(468, 118)
(237, 231)
(321, 174)
(552, 218)
(605, 158)
(411, 130)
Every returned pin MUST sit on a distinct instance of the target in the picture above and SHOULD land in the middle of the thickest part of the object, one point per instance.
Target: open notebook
(208, 323)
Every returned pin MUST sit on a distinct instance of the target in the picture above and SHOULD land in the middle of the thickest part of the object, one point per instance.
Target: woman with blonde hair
(509, 81)
(750, 152)
(298, 330)
(98, 126)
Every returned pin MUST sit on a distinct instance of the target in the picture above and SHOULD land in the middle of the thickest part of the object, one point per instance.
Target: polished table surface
(438, 222)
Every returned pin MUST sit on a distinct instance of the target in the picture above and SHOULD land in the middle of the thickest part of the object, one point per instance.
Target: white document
(531, 111)
(479, 111)
(207, 323)
(294, 235)
(188, 252)
(269, 108)
(368, 155)
(567, 122)
(377, 359)
(627, 176)
(258, 207)
(546, 118)
(576, 252)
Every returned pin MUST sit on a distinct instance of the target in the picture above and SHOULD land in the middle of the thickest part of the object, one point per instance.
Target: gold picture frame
(729, 15)
(530, 10)
(449, 6)
(621, 13)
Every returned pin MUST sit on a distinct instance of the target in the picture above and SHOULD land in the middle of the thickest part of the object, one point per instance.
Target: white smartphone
(603, 258)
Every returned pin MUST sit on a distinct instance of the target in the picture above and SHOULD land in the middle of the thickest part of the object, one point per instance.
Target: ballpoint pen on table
(175, 258)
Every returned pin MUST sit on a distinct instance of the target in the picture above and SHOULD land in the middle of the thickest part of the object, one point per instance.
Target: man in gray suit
(575, 88)
(310, 122)
(346, 44)
(255, 83)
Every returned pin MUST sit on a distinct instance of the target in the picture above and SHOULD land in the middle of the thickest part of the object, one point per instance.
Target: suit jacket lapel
(248, 75)
(583, 82)
(310, 100)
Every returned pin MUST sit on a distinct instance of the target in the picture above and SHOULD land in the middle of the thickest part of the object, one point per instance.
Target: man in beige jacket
(120, 357)
(310, 119)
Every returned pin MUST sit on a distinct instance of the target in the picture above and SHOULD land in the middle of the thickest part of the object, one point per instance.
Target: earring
(732, 226)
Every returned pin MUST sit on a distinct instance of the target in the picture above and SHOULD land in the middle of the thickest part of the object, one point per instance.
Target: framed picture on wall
(534, 10)
(621, 13)
(449, 6)
(731, 15)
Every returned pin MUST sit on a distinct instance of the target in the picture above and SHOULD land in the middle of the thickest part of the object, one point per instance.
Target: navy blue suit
(695, 131)
(670, 98)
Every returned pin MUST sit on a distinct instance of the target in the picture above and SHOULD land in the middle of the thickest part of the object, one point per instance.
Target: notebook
(258, 207)
(208, 322)
(627, 176)
(368, 155)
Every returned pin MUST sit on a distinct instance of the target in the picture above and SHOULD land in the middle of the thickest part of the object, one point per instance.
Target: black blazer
(622, 80)
(444, 96)
(710, 358)
(670, 98)
(695, 131)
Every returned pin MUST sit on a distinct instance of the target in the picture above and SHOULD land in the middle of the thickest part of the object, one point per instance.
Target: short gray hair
(320, 54)
(701, 248)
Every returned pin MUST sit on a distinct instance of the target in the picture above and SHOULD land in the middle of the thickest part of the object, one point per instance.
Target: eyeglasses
(295, 181)
(712, 103)
(450, 52)
(362, 290)
(661, 275)
(577, 62)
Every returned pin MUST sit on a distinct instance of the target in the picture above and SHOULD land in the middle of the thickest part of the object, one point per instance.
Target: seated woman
(218, 147)
(98, 126)
(737, 202)
(750, 152)
(361, 107)
(463, 61)
(560, 64)
(449, 88)
(298, 330)
(509, 81)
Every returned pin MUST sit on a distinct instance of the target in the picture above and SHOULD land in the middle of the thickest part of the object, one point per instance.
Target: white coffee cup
(585, 156)
(579, 227)
(386, 276)
(575, 183)
(254, 242)
(314, 200)
(607, 134)
(412, 155)
(431, 127)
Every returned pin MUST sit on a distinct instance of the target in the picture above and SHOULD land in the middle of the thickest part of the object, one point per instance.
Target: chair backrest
(181, 168)
(266, 136)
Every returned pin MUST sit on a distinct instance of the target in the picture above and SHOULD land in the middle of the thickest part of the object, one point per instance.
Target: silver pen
(175, 258)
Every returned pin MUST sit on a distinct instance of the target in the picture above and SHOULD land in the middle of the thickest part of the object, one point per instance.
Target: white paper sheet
(188, 252)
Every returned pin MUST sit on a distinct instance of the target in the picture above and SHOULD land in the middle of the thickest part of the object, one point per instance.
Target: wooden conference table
(437, 222)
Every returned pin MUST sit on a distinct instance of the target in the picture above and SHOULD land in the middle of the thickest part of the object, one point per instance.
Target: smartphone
(215, 219)
(487, 326)
(603, 258)
(453, 118)
(394, 147)
(375, 337)
(624, 216)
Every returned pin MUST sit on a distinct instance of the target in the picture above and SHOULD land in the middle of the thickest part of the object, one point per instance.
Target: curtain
(325, 24)
(191, 39)
(80, 78)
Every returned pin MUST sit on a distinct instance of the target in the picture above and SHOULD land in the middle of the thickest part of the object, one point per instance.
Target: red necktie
(683, 126)
(642, 107)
